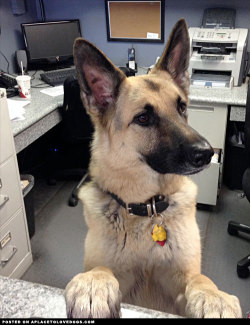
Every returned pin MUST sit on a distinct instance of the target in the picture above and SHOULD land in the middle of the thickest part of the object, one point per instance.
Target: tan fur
(122, 262)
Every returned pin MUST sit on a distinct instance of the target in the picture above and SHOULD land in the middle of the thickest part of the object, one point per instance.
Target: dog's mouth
(194, 171)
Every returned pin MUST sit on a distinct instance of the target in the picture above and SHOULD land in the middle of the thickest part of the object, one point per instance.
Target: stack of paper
(16, 109)
(53, 91)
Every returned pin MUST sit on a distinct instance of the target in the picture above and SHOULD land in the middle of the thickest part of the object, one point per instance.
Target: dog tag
(159, 235)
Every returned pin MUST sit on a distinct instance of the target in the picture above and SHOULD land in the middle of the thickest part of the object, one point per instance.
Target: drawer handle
(200, 108)
(3, 200)
(7, 259)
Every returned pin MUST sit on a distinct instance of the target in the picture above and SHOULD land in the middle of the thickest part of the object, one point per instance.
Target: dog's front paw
(94, 294)
(212, 303)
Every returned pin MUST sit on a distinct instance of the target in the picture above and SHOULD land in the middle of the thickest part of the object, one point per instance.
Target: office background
(93, 23)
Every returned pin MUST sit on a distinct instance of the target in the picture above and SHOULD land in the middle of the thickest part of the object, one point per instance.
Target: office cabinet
(210, 120)
(6, 147)
(14, 253)
(9, 191)
(15, 250)
(208, 182)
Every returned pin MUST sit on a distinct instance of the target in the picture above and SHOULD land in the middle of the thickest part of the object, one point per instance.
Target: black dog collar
(156, 205)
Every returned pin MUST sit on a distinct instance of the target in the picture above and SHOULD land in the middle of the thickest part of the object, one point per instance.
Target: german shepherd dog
(143, 243)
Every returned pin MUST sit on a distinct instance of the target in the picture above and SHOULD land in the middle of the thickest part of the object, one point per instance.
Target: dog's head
(143, 120)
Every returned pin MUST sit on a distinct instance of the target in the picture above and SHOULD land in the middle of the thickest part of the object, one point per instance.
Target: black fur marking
(163, 160)
(124, 241)
(152, 85)
(168, 160)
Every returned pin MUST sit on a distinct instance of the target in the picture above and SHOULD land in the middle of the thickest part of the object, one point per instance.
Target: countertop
(235, 96)
(40, 105)
(42, 113)
(21, 299)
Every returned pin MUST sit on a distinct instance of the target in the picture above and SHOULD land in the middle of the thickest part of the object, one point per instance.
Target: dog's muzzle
(199, 154)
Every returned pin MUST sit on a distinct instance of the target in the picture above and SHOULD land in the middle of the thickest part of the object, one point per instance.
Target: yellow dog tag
(159, 235)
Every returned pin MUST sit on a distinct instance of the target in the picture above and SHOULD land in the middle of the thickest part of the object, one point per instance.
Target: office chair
(234, 227)
(76, 135)
(73, 153)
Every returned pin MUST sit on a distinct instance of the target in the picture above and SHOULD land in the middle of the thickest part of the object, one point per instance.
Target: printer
(218, 56)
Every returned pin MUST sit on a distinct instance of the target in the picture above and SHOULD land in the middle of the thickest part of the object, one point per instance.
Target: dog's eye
(147, 117)
(181, 106)
(143, 118)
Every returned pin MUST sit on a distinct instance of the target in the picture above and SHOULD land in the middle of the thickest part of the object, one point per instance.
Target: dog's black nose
(200, 154)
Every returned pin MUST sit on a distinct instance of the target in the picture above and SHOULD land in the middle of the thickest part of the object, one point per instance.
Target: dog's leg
(205, 300)
(93, 294)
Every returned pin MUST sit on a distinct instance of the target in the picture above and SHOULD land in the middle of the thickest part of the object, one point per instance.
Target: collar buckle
(155, 213)
(129, 209)
(149, 209)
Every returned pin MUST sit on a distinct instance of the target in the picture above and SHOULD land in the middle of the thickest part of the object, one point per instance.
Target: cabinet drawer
(6, 137)
(210, 121)
(10, 193)
(13, 244)
(207, 182)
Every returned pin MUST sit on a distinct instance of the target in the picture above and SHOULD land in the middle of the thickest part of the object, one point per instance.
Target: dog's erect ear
(175, 58)
(99, 79)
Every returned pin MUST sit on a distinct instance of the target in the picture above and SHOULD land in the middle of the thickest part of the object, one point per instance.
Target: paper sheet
(53, 91)
(16, 108)
(219, 84)
(199, 83)
(152, 35)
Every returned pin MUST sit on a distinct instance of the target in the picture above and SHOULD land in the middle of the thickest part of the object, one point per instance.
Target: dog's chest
(144, 288)
(136, 241)
(145, 269)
